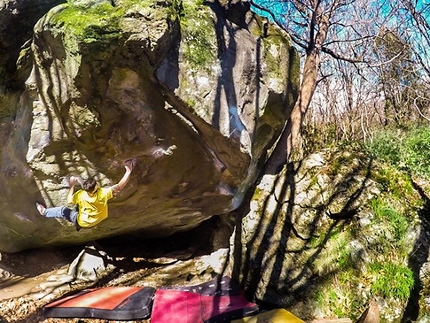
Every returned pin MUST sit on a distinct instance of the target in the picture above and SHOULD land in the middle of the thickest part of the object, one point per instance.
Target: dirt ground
(21, 273)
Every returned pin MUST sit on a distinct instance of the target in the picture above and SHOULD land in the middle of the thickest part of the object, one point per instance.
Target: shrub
(386, 146)
(410, 151)
(415, 152)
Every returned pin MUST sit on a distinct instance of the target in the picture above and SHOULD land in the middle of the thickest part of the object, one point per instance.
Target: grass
(393, 181)
(346, 289)
(389, 219)
(389, 231)
(392, 280)
(384, 275)
(395, 223)
(386, 146)
(338, 296)
(343, 250)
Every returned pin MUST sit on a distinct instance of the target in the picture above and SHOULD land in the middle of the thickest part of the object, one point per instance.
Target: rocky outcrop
(17, 19)
(197, 93)
(334, 234)
(338, 237)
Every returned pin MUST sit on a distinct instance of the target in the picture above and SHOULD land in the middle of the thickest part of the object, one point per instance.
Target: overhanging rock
(198, 94)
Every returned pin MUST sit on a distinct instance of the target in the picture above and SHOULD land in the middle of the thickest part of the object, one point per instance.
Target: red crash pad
(112, 303)
(217, 286)
(189, 307)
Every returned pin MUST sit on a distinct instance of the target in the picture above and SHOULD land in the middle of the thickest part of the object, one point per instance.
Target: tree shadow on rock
(418, 257)
(275, 259)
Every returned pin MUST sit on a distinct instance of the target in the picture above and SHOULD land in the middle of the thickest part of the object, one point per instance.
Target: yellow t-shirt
(92, 209)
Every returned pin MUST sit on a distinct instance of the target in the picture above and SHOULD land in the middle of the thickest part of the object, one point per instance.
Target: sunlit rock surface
(198, 94)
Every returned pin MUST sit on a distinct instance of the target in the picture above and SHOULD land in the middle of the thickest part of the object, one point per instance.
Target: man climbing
(91, 201)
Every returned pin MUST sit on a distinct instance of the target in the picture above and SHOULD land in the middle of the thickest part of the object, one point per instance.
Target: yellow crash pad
(273, 316)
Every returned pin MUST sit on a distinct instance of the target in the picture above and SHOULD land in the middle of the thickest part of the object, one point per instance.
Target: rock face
(333, 235)
(197, 93)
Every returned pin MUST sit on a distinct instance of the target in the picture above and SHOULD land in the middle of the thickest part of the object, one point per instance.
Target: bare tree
(391, 88)
(347, 88)
(396, 75)
(414, 21)
(355, 75)
(317, 28)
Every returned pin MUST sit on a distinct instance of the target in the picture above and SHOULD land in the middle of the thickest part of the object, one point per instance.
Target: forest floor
(21, 273)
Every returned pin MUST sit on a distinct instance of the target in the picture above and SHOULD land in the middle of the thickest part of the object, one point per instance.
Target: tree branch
(343, 58)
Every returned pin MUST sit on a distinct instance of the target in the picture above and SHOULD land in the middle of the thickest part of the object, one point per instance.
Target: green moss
(398, 184)
(294, 75)
(280, 65)
(275, 63)
(335, 167)
(347, 162)
(8, 104)
(102, 21)
(258, 193)
(191, 102)
(198, 32)
(89, 24)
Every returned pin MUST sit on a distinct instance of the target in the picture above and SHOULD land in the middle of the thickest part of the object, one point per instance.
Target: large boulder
(197, 93)
(17, 19)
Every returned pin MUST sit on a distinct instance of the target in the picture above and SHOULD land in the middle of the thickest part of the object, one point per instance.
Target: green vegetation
(346, 159)
(392, 280)
(397, 183)
(90, 24)
(363, 260)
(197, 28)
(409, 151)
(395, 223)
(275, 62)
(101, 21)
(347, 294)
(344, 289)
(386, 146)
(344, 252)
(317, 240)
(339, 295)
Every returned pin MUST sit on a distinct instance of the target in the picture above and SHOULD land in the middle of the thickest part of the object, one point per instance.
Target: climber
(90, 202)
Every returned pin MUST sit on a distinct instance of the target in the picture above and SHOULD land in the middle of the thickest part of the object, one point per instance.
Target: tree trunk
(320, 23)
(306, 91)
(290, 140)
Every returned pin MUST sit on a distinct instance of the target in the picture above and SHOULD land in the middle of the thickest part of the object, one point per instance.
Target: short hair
(89, 184)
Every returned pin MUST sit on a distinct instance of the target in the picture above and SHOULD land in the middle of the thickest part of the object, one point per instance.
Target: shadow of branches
(299, 210)
(418, 257)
